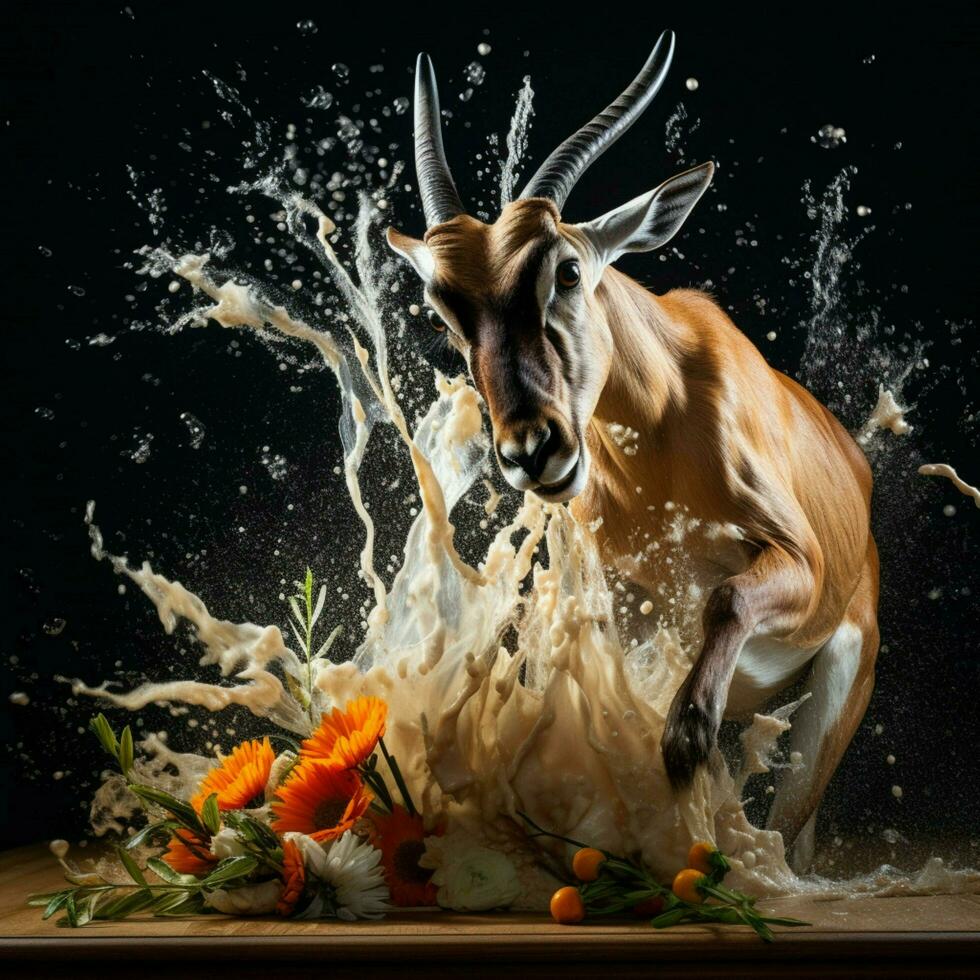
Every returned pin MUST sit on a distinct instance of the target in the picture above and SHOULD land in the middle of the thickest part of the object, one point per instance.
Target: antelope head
(517, 298)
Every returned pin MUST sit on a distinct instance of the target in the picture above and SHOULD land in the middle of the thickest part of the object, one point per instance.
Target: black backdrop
(90, 88)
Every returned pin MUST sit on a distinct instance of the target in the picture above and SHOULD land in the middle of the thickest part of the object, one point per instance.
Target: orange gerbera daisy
(293, 878)
(240, 778)
(320, 801)
(347, 738)
(400, 836)
(188, 854)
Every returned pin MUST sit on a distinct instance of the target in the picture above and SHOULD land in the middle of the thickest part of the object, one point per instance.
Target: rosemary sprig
(306, 613)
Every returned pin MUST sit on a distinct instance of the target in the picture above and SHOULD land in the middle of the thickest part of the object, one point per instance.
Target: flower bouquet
(316, 832)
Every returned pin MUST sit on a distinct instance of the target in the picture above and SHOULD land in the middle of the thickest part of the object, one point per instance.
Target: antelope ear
(416, 251)
(650, 220)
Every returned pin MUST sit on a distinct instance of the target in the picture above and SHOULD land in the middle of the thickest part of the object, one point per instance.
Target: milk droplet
(19, 697)
(319, 98)
(890, 759)
(55, 627)
(646, 607)
(863, 210)
(692, 84)
(483, 48)
(306, 27)
(771, 335)
(949, 510)
(340, 70)
(796, 758)
(415, 309)
(830, 137)
(897, 792)
(195, 428)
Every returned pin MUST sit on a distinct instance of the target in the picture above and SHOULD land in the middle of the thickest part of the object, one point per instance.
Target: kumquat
(611, 885)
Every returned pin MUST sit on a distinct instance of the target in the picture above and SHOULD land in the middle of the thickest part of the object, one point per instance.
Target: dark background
(91, 88)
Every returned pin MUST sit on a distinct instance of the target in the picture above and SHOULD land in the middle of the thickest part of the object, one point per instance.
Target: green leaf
(210, 815)
(253, 831)
(318, 608)
(328, 643)
(297, 691)
(300, 639)
(308, 595)
(126, 905)
(71, 913)
(104, 733)
(163, 870)
(671, 918)
(776, 921)
(184, 812)
(126, 750)
(230, 869)
(162, 828)
(56, 903)
(86, 909)
(42, 898)
(192, 904)
(131, 866)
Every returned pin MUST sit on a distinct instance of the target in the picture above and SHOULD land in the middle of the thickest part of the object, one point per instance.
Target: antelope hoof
(687, 742)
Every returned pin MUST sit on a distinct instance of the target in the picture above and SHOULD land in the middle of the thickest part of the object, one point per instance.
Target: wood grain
(898, 936)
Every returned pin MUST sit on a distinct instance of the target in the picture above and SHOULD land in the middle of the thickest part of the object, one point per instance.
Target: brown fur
(720, 432)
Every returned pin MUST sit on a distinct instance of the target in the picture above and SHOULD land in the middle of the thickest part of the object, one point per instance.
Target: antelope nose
(531, 453)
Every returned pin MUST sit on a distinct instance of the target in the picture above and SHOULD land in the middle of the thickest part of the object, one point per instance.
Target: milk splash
(509, 686)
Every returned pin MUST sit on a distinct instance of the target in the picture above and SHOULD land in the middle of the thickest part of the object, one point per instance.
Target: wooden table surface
(935, 936)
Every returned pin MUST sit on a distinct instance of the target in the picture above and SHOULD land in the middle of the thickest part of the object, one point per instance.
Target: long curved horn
(557, 176)
(440, 201)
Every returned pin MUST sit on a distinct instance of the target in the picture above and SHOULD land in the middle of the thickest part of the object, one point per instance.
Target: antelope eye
(568, 274)
(436, 321)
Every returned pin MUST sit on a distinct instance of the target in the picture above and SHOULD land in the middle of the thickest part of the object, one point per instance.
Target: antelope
(560, 345)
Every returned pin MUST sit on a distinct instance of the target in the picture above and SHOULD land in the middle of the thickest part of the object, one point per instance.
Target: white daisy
(354, 869)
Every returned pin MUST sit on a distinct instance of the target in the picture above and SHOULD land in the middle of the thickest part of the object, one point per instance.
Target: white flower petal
(354, 869)
(226, 843)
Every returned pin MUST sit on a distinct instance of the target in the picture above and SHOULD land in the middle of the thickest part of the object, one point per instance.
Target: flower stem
(399, 781)
(541, 832)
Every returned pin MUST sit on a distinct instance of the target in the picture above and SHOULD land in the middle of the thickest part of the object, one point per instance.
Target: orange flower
(319, 801)
(347, 738)
(240, 777)
(293, 878)
(400, 837)
(189, 855)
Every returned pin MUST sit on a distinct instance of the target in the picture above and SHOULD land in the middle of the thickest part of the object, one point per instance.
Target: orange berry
(587, 862)
(566, 906)
(699, 856)
(651, 906)
(685, 885)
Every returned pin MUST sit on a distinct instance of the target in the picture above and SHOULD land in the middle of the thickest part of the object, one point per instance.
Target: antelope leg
(772, 597)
